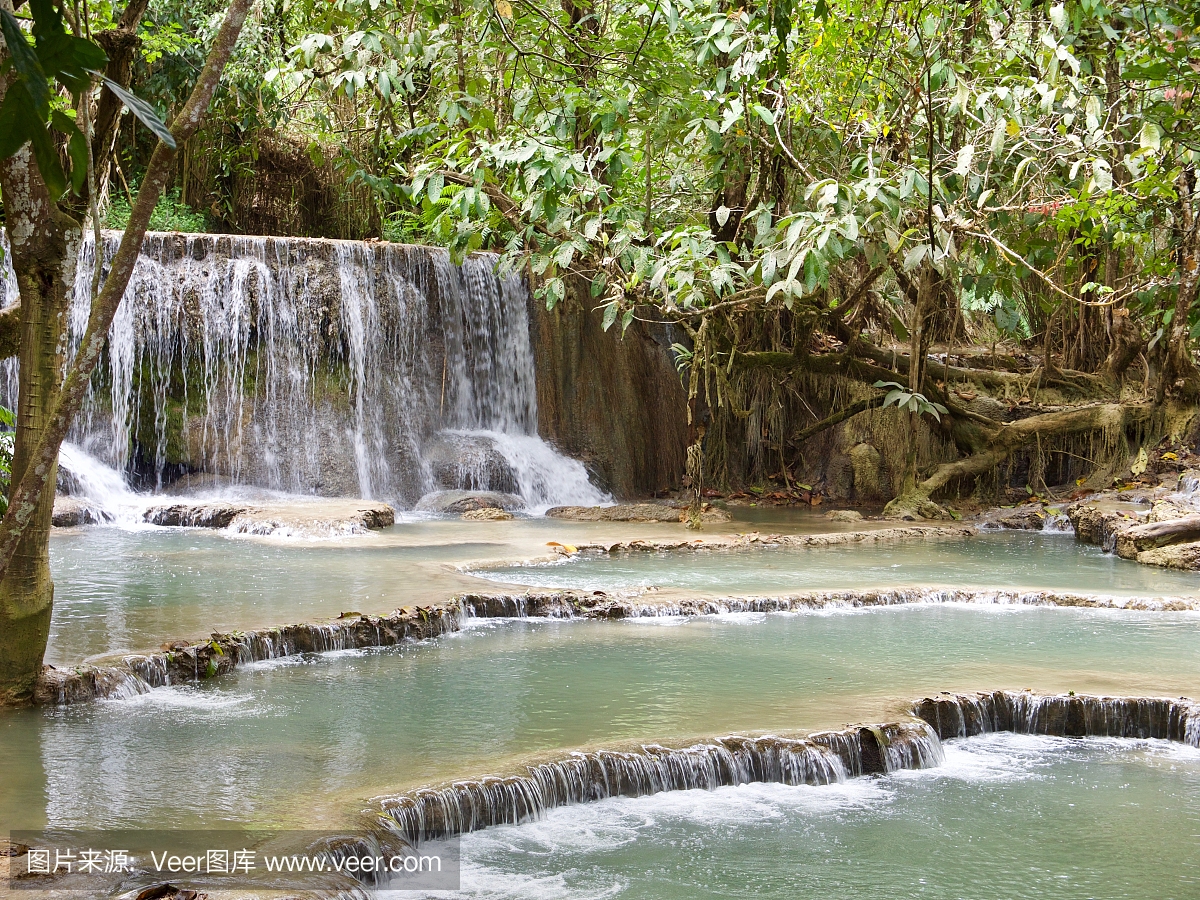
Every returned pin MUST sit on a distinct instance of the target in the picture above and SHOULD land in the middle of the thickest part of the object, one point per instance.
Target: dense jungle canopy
(831, 190)
(984, 214)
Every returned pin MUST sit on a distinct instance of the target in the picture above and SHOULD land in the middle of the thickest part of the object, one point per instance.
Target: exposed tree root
(838, 417)
(1002, 441)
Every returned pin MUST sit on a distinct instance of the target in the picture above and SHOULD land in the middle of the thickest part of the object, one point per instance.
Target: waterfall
(316, 367)
(99, 486)
(598, 775)
(1062, 715)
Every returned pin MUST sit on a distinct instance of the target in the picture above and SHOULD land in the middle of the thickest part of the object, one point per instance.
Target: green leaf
(1150, 139)
(434, 187)
(76, 148)
(144, 111)
(610, 315)
(25, 61)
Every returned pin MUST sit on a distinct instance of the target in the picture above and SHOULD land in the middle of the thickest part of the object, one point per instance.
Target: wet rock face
(610, 399)
(468, 462)
(194, 515)
(868, 473)
(1093, 524)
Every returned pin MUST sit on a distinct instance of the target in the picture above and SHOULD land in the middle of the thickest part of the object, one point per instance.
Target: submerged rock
(465, 501)
(489, 514)
(844, 515)
(636, 512)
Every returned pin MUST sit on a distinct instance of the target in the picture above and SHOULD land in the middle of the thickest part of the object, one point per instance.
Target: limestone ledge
(317, 517)
(743, 541)
(636, 512)
(1061, 715)
(562, 604)
(1163, 534)
(181, 662)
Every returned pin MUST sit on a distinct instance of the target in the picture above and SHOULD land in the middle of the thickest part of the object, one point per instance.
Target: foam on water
(834, 840)
(101, 486)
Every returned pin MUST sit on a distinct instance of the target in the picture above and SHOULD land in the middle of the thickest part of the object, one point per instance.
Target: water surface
(1013, 560)
(306, 740)
(1008, 817)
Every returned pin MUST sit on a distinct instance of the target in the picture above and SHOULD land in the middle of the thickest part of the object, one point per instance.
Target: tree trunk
(44, 245)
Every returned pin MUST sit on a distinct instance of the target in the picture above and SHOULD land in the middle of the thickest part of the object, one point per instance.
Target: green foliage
(910, 400)
(8, 424)
(170, 214)
(693, 155)
(33, 110)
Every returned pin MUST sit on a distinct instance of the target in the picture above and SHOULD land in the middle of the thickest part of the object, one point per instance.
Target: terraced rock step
(188, 661)
(182, 662)
(742, 541)
(563, 604)
(1061, 715)
(823, 758)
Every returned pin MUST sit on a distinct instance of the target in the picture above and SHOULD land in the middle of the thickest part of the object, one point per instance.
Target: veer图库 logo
(99, 861)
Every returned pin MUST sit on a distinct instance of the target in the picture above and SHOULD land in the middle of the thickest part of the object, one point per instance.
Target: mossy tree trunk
(44, 243)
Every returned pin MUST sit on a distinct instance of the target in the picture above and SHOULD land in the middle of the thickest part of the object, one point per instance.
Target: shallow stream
(308, 741)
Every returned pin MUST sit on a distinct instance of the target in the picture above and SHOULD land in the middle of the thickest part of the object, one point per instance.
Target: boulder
(468, 462)
(465, 501)
(72, 511)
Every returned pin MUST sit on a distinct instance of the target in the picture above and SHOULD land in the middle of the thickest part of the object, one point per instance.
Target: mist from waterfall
(315, 367)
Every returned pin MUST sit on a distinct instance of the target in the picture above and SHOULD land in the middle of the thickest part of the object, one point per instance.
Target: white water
(101, 487)
(309, 367)
(545, 477)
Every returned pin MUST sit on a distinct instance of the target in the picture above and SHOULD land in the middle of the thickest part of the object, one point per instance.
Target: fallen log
(1133, 540)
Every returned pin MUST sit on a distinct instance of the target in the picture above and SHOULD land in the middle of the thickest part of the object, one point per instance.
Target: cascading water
(100, 487)
(317, 367)
(1063, 715)
(823, 758)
